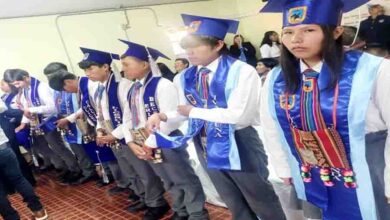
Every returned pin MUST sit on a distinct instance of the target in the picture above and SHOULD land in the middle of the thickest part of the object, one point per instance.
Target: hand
(148, 151)
(20, 127)
(99, 138)
(287, 181)
(154, 121)
(62, 123)
(27, 113)
(109, 139)
(79, 116)
(184, 109)
(137, 150)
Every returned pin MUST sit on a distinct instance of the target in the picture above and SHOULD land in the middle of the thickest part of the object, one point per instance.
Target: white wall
(31, 43)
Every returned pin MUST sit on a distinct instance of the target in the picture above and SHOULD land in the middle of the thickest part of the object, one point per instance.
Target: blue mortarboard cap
(141, 52)
(325, 12)
(214, 27)
(98, 56)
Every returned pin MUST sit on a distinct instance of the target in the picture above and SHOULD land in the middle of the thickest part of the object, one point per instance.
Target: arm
(73, 117)
(272, 137)
(380, 96)
(46, 95)
(124, 87)
(246, 93)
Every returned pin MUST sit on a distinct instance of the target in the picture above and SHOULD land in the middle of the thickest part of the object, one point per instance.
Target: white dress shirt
(243, 103)
(377, 119)
(3, 138)
(267, 51)
(14, 103)
(47, 107)
(167, 100)
(123, 89)
(92, 87)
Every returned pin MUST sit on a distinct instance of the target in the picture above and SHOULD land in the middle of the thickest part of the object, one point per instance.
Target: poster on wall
(354, 17)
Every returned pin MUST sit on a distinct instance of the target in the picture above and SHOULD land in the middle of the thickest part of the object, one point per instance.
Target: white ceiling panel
(27, 8)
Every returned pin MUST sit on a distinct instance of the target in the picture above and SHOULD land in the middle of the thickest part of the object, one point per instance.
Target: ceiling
(27, 8)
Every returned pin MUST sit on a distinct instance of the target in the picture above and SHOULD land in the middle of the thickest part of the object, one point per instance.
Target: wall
(31, 43)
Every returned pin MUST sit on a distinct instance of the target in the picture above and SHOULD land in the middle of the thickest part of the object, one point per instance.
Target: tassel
(153, 65)
(349, 181)
(105, 177)
(305, 173)
(326, 177)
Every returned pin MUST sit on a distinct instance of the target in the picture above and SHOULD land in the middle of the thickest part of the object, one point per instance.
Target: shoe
(100, 183)
(40, 215)
(74, 177)
(136, 207)
(85, 179)
(155, 213)
(116, 190)
(133, 198)
(176, 216)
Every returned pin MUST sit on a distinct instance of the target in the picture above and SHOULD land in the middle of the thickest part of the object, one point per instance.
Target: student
(150, 94)
(39, 111)
(67, 104)
(111, 99)
(85, 119)
(220, 97)
(270, 46)
(10, 172)
(9, 120)
(243, 50)
(324, 108)
(181, 64)
(264, 66)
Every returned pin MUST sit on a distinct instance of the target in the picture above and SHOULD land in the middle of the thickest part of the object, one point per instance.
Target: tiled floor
(88, 202)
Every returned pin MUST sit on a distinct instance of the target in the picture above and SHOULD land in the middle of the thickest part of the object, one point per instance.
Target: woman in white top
(270, 46)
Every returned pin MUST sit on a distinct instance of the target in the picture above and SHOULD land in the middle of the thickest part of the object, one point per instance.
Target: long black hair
(267, 38)
(332, 54)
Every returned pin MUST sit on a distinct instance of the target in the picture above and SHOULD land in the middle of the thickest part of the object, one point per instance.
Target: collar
(143, 80)
(316, 68)
(212, 66)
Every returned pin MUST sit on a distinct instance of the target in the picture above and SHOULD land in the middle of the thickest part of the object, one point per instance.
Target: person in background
(270, 46)
(181, 64)
(10, 171)
(166, 72)
(243, 51)
(265, 65)
(376, 28)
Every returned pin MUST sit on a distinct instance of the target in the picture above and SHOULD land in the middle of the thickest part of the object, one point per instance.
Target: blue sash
(337, 202)
(86, 105)
(150, 98)
(7, 98)
(91, 148)
(66, 105)
(113, 101)
(35, 101)
(222, 151)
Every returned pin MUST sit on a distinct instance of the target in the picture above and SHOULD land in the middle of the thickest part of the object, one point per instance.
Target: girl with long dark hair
(326, 111)
(270, 46)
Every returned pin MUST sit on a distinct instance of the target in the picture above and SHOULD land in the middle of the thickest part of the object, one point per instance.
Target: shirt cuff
(151, 141)
(118, 133)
